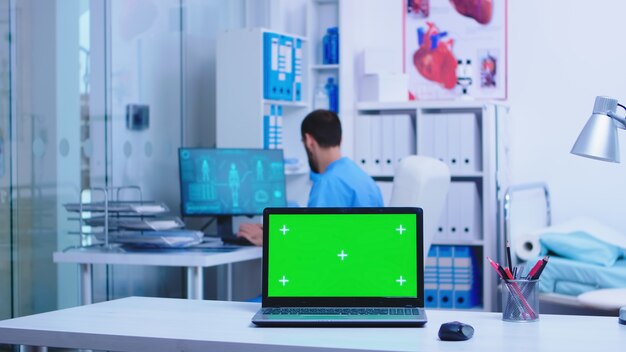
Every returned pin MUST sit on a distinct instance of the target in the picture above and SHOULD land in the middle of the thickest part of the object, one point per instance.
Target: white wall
(562, 54)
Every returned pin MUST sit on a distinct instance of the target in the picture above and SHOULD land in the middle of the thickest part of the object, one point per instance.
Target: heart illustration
(434, 59)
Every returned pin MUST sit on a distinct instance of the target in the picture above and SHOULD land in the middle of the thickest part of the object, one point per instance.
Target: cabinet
(242, 106)
(468, 136)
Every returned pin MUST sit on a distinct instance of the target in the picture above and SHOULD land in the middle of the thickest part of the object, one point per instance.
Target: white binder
(387, 144)
(454, 211)
(454, 142)
(470, 214)
(376, 145)
(470, 142)
(363, 143)
(441, 138)
(426, 135)
(403, 138)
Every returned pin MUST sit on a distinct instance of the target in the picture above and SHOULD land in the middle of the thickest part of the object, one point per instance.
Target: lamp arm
(621, 121)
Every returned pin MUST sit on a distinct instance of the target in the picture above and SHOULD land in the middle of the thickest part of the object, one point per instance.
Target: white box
(381, 61)
(392, 87)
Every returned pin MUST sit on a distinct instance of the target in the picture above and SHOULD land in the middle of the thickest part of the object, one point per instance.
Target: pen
(544, 261)
(508, 254)
(533, 271)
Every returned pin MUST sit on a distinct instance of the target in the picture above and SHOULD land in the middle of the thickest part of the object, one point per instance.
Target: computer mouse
(455, 331)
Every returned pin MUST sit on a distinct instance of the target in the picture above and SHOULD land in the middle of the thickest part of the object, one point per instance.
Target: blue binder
(271, 86)
(431, 297)
(446, 275)
(297, 85)
(466, 280)
(285, 68)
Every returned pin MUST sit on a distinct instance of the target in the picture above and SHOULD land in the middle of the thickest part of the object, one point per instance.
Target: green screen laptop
(342, 266)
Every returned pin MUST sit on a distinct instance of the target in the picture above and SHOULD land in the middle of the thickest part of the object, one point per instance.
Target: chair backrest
(421, 181)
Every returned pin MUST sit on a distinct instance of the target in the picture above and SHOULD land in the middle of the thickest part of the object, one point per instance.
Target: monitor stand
(225, 225)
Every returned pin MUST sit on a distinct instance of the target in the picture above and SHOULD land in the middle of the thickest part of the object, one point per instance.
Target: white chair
(423, 182)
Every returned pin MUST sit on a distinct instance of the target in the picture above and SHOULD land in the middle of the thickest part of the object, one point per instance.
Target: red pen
(544, 261)
(533, 271)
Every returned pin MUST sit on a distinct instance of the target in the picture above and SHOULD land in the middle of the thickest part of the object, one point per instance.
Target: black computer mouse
(455, 331)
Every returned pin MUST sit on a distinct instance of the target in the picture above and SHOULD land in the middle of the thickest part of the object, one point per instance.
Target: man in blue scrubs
(337, 180)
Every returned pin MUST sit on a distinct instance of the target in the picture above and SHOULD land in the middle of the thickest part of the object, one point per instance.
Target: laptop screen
(333, 252)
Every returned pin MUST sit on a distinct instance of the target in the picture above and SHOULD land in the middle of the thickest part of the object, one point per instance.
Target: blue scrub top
(344, 184)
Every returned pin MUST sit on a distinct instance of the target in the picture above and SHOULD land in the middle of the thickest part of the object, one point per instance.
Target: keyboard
(341, 311)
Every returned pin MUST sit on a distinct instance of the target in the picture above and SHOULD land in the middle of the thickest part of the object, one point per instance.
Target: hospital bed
(528, 217)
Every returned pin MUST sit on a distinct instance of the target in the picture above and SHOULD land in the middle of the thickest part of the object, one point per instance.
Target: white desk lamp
(598, 140)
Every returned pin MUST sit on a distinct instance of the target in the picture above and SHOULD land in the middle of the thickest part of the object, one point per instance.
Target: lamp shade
(598, 139)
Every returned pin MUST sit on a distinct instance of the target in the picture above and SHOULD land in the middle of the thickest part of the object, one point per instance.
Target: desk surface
(162, 257)
(162, 324)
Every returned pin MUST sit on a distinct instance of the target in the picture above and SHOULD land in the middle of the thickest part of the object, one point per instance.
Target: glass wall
(70, 71)
(5, 110)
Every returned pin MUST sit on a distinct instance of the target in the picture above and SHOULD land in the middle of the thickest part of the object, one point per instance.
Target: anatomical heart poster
(455, 49)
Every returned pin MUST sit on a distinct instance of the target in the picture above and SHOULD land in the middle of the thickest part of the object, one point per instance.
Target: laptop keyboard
(342, 311)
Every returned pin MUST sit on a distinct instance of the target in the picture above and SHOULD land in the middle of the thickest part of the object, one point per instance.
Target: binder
(278, 128)
(403, 138)
(454, 143)
(463, 278)
(446, 273)
(285, 68)
(362, 142)
(297, 85)
(269, 112)
(440, 150)
(375, 145)
(441, 232)
(271, 88)
(470, 215)
(387, 144)
(431, 297)
(454, 209)
(470, 143)
(426, 135)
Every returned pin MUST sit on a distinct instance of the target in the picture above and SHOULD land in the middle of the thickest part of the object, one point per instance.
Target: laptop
(342, 267)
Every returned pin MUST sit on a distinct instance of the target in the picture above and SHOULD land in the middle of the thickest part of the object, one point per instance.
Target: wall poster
(455, 49)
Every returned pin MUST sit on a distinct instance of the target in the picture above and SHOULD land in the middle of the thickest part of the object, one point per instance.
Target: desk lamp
(598, 139)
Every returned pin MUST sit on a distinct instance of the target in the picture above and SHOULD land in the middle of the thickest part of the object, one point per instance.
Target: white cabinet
(242, 106)
(468, 136)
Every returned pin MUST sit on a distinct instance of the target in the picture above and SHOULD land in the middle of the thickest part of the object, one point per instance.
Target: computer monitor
(228, 182)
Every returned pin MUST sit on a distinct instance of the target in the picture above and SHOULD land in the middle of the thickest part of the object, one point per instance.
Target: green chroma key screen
(342, 255)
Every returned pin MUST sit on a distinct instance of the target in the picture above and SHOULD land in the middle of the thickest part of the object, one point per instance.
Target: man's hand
(252, 232)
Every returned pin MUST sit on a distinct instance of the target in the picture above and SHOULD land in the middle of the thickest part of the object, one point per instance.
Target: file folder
(376, 145)
(454, 210)
(441, 138)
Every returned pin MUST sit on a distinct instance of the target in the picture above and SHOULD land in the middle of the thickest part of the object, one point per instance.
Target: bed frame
(549, 303)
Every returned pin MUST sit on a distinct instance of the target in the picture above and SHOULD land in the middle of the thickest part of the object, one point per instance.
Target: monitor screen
(231, 181)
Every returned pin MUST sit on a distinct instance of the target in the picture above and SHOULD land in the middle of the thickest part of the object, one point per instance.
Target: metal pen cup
(520, 302)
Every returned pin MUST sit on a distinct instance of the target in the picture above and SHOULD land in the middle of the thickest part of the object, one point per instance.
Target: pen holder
(520, 302)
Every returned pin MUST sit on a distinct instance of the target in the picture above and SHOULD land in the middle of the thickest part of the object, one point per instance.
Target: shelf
(286, 103)
(463, 105)
(325, 67)
(321, 2)
(467, 175)
(472, 242)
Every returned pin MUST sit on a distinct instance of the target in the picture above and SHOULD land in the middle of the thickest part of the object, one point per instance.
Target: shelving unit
(241, 105)
(439, 130)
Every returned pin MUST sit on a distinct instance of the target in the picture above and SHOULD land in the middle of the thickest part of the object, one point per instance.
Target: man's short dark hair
(324, 126)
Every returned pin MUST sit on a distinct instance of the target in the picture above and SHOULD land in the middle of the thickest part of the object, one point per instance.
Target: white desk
(609, 298)
(194, 259)
(165, 324)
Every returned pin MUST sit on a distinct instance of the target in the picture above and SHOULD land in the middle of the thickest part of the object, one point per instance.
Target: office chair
(421, 181)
